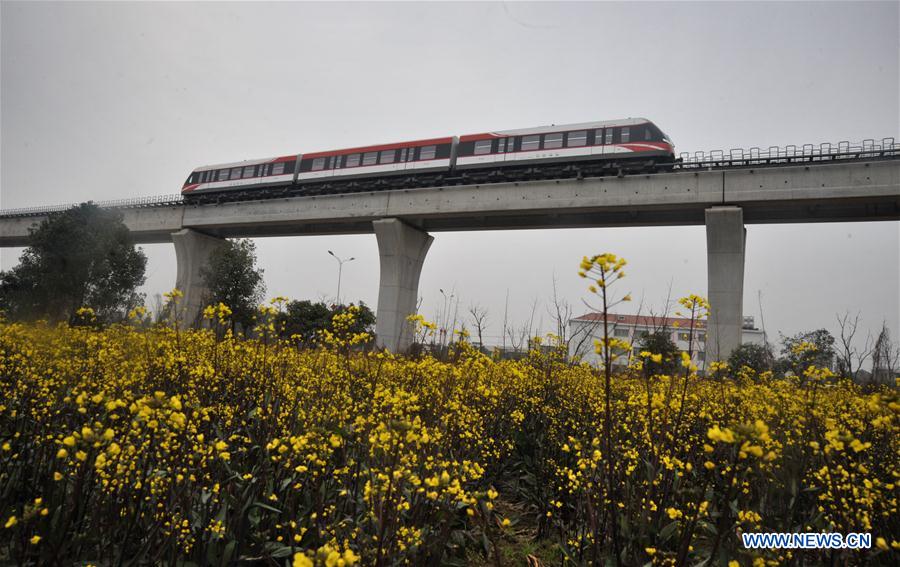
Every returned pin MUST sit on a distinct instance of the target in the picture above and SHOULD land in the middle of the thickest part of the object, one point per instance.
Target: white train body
(595, 142)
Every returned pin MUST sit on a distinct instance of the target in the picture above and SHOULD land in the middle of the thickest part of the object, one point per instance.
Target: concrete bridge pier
(725, 244)
(402, 250)
(192, 251)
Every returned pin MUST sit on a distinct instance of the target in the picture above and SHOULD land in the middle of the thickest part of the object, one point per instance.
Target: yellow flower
(35, 540)
(62, 454)
(301, 560)
(57, 476)
(721, 435)
(11, 522)
(81, 455)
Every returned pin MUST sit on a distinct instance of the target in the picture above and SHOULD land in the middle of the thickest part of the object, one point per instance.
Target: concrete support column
(401, 249)
(192, 250)
(725, 243)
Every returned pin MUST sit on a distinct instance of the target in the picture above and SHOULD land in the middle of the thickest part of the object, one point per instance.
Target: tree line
(85, 257)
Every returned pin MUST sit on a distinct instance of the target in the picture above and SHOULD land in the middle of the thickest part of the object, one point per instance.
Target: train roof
(246, 163)
(379, 147)
(556, 128)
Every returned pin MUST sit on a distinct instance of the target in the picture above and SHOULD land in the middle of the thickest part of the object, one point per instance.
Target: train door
(505, 147)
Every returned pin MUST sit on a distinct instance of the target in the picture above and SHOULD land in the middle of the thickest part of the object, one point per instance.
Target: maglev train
(545, 152)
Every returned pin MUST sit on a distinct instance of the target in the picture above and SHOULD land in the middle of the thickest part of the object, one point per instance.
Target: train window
(598, 136)
(427, 152)
(553, 141)
(388, 156)
(609, 137)
(648, 135)
(501, 146)
(248, 172)
(402, 155)
(336, 162)
(369, 158)
(352, 160)
(531, 142)
(577, 139)
(318, 164)
(278, 168)
(235, 173)
(626, 134)
(483, 147)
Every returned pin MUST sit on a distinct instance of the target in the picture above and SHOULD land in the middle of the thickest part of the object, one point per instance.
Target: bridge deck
(834, 191)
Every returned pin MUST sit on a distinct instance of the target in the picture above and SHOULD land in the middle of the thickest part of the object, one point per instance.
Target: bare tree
(520, 338)
(479, 321)
(850, 359)
(561, 312)
(885, 357)
(158, 308)
(505, 319)
(528, 330)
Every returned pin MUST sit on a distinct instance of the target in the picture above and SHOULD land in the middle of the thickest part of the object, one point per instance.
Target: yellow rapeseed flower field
(154, 444)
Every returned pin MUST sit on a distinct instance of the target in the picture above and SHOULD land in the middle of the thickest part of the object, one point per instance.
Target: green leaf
(666, 532)
(265, 507)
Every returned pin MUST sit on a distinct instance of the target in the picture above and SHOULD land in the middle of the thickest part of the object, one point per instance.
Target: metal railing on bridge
(885, 148)
(133, 203)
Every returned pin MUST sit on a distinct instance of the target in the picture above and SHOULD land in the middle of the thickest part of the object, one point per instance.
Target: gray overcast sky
(108, 100)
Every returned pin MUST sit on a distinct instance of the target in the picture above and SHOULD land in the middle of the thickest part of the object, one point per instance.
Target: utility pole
(340, 269)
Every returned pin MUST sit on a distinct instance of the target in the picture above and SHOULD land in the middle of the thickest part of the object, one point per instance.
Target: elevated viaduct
(722, 199)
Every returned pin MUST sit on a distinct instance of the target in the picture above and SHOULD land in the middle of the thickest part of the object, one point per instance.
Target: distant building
(586, 329)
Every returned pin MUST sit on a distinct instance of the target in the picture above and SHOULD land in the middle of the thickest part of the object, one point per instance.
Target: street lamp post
(340, 269)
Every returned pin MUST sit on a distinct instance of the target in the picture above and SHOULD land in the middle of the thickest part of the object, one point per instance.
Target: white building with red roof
(588, 328)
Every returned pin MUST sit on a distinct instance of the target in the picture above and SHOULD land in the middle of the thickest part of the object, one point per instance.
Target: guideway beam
(725, 244)
(192, 252)
(401, 250)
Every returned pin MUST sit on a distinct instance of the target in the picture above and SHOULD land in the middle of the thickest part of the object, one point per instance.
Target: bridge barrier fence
(132, 203)
(886, 148)
(773, 155)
